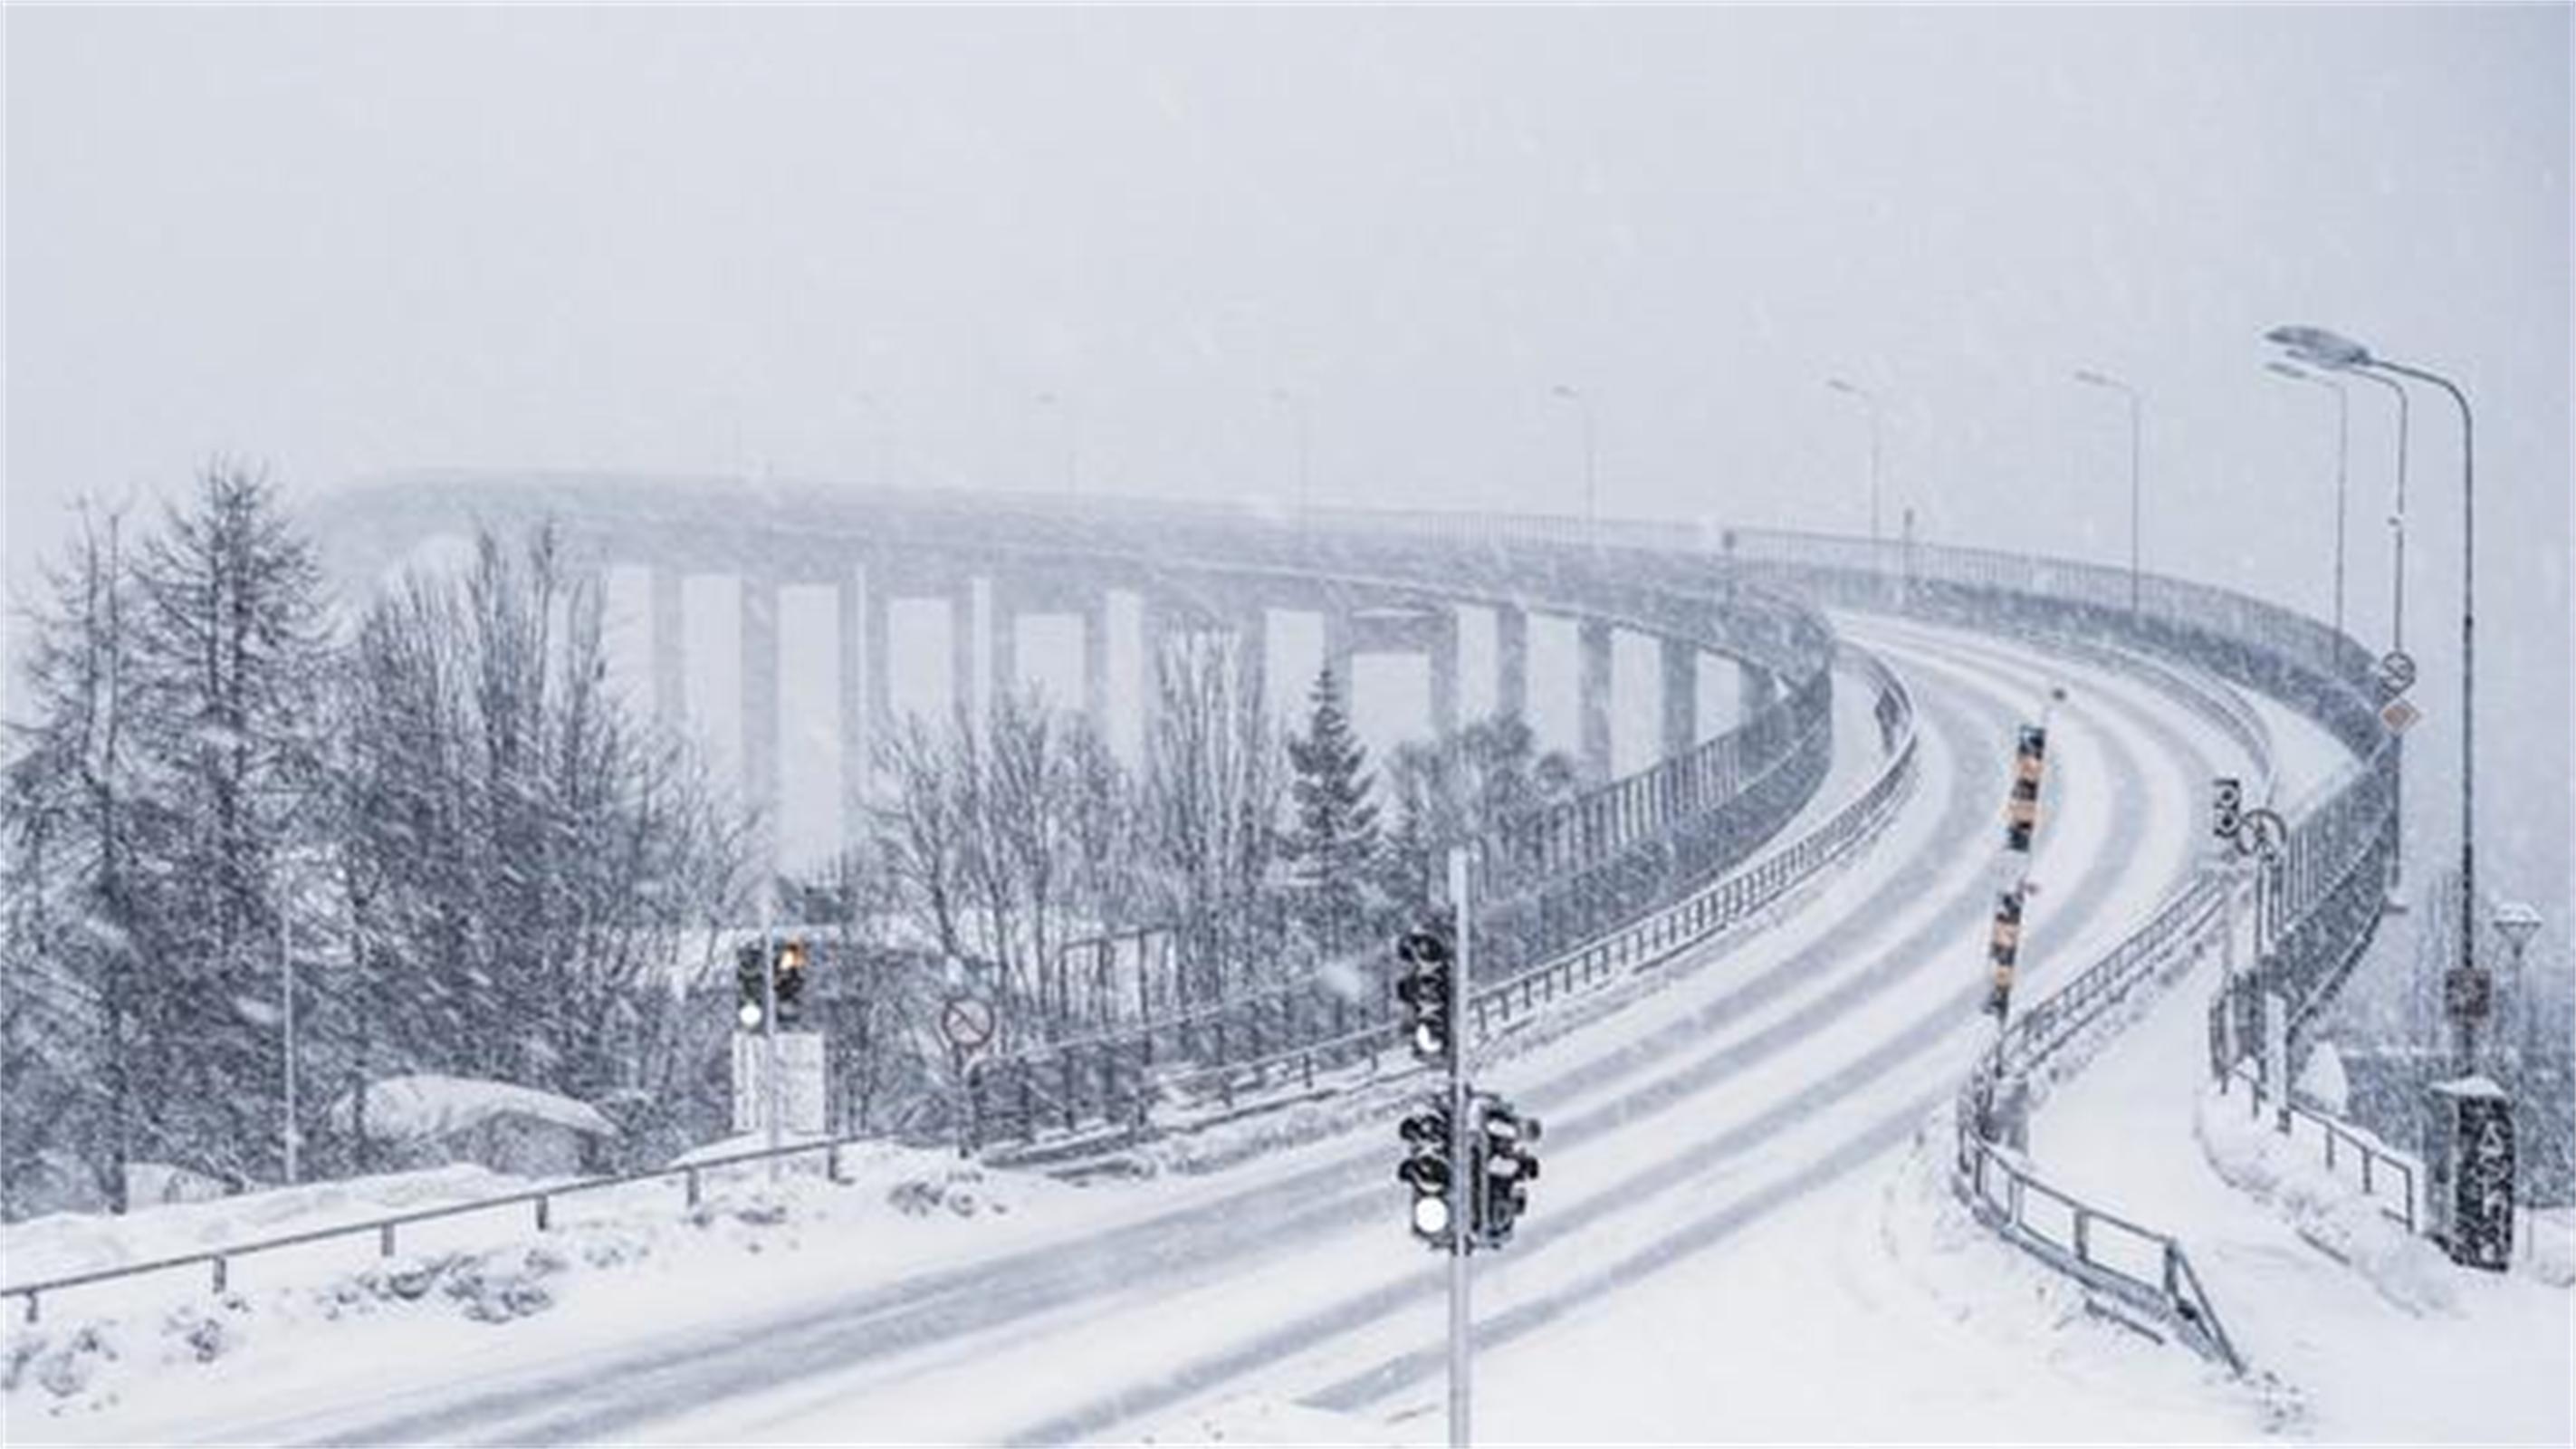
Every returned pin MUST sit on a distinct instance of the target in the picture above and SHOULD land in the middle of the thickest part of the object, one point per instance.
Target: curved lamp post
(2092, 378)
(1870, 401)
(2321, 348)
(1591, 475)
(2343, 459)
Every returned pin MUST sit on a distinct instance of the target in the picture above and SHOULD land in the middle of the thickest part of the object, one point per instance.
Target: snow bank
(428, 1105)
(2327, 1211)
(96, 1348)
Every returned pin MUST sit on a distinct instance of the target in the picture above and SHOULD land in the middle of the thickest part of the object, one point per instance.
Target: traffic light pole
(1462, 1217)
(769, 1039)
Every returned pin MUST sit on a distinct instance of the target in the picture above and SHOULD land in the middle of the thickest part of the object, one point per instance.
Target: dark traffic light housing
(1424, 990)
(751, 963)
(1428, 1171)
(1506, 1150)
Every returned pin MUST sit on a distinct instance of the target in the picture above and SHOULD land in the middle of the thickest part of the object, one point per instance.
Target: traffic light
(791, 983)
(2226, 807)
(2021, 812)
(1424, 990)
(2006, 948)
(1427, 1170)
(1505, 1145)
(750, 968)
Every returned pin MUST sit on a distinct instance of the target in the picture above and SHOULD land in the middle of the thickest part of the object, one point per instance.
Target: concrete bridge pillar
(1755, 687)
(858, 770)
(1511, 661)
(670, 645)
(961, 649)
(877, 627)
(1592, 685)
(759, 618)
(1095, 663)
(1443, 657)
(1002, 651)
(1338, 649)
(1681, 696)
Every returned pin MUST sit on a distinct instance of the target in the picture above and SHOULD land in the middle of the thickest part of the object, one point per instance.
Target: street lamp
(2517, 923)
(1591, 476)
(1870, 401)
(2320, 348)
(2343, 457)
(885, 436)
(1049, 399)
(2091, 378)
(1296, 407)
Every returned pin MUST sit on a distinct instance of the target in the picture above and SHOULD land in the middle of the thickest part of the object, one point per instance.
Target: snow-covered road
(1675, 1127)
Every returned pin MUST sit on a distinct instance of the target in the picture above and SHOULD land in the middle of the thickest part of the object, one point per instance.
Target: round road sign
(2263, 834)
(967, 1022)
(2396, 671)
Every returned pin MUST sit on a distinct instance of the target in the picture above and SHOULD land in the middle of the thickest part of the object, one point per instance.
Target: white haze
(862, 243)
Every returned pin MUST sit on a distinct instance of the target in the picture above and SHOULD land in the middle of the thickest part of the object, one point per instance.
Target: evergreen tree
(1335, 844)
(232, 655)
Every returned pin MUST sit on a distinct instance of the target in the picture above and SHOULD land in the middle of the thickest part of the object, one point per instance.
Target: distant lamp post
(2319, 347)
(1868, 400)
(2343, 459)
(2092, 378)
(1051, 399)
(1591, 474)
(884, 437)
(1296, 409)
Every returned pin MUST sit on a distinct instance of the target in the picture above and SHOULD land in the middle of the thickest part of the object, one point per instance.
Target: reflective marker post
(1462, 1185)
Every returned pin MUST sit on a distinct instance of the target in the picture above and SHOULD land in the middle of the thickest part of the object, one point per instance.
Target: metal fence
(1297, 1036)
(2145, 1269)
(2381, 1174)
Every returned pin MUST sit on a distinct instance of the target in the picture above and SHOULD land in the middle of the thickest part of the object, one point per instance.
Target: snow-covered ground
(1741, 1232)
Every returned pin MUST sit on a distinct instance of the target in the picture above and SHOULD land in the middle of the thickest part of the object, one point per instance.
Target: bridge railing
(2384, 1175)
(1292, 1037)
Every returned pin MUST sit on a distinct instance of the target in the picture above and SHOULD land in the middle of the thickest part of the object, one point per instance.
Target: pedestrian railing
(2385, 1176)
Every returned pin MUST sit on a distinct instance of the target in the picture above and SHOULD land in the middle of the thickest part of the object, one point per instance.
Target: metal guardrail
(2145, 1269)
(1112, 1081)
(2375, 1164)
(386, 1229)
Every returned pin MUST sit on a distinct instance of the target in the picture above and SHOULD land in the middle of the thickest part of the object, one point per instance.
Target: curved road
(1795, 1055)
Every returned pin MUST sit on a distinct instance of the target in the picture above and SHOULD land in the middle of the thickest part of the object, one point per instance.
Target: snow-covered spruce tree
(1335, 842)
(83, 1044)
(231, 655)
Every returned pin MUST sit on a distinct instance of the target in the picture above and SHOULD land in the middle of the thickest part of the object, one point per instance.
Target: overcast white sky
(350, 241)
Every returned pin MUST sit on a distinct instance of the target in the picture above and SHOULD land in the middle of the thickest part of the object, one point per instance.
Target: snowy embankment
(2318, 1291)
(272, 1328)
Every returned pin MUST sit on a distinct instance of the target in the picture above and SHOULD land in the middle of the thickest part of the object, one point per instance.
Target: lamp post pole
(2137, 424)
(1296, 407)
(2343, 458)
(2319, 347)
(1868, 400)
(1591, 474)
